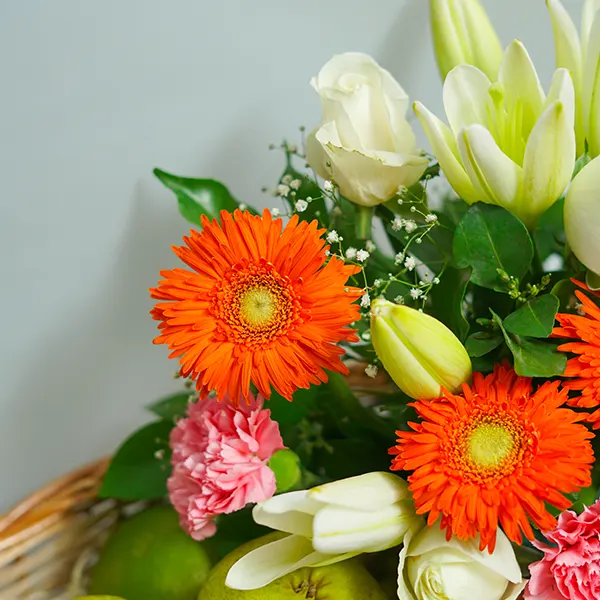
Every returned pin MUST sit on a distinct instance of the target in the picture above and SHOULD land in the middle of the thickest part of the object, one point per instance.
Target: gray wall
(93, 96)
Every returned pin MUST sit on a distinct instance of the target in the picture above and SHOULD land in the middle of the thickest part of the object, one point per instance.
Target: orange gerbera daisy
(494, 455)
(261, 305)
(585, 367)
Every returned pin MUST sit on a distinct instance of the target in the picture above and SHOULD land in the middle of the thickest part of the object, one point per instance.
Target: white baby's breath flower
(436, 280)
(328, 186)
(365, 301)
(370, 246)
(399, 299)
(362, 255)
(333, 237)
(301, 205)
(366, 335)
(415, 294)
(410, 263)
(431, 218)
(242, 206)
(399, 258)
(397, 223)
(282, 190)
(351, 253)
(286, 179)
(378, 282)
(371, 371)
(295, 184)
(275, 212)
(409, 226)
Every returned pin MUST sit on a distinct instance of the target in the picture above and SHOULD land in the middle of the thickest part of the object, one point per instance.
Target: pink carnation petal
(220, 455)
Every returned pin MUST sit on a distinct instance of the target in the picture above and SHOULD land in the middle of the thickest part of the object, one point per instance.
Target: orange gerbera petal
(263, 305)
(494, 455)
(585, 367)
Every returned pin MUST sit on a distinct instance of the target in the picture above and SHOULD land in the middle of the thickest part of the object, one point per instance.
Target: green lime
(149, 557)
(98, 598)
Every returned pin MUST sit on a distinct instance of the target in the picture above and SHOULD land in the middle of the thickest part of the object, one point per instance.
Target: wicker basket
(49, 538)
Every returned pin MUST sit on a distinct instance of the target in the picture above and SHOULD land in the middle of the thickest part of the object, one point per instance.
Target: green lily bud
(463, 34)
(420, 354)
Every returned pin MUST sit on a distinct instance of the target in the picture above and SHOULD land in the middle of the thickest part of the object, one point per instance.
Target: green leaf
(489, 238)
(550, 232)
(534, 319)
(141, 466)
(290, 413)
(197, 197)
(564, 290)
(592, 280)
(481, 343)
(533, 358)
(447, 300)
(171, 407)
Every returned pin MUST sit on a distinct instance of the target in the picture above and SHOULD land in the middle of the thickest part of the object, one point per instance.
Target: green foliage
(534, 319)
(447, 300)
(483, 342)
(197, 197)
(533, 358)
(489, 239)
(140, 468)
(171, 407)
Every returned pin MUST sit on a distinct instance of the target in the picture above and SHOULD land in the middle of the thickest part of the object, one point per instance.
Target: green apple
(347, 580)
(149, 557)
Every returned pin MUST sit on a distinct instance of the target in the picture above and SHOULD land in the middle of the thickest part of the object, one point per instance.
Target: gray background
(93, 96)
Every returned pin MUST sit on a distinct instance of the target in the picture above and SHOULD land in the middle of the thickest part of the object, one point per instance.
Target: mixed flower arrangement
(443, 309)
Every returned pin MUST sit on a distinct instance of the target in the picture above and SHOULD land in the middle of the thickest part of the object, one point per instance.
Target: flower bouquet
(392, 378)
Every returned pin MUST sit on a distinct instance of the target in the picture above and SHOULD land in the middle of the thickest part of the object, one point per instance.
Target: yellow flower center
(258, 305)
(253, 305)
(490, 444)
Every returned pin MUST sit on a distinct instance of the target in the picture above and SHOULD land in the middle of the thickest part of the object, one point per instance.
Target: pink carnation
(571, 567)
(220, 455)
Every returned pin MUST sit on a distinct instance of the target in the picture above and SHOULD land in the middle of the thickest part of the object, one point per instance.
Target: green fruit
(347, 580)
(98, 598)
(149, 557)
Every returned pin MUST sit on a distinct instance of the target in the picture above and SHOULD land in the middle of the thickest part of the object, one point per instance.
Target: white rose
(365, 144)
(433, 569)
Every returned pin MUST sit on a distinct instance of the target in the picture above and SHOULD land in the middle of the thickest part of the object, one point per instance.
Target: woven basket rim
(55, 498)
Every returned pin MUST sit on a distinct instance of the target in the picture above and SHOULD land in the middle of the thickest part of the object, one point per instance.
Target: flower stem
(364, 221)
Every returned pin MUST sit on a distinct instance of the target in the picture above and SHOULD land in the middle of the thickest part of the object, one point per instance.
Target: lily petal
(271, 561)
(590, 8)
(494, 174)
(591, 88)
(522, 86)
(466, 92)
(338, 530)
(569, 56)
(443, 145)
(549, 162)
(368, 492)
(582, 215)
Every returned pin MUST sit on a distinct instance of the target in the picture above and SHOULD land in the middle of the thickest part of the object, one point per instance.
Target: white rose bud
(432, 568)
(365, 144)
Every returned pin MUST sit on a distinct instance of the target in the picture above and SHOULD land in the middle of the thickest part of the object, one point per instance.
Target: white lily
(582, 57)
(328, 524)
(582, 216)
(508, 143)
(463, 34)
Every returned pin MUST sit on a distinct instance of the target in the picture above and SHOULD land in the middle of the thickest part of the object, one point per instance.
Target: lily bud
(582, 216)
(420, 354)
(329, 523)
(463, 34)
